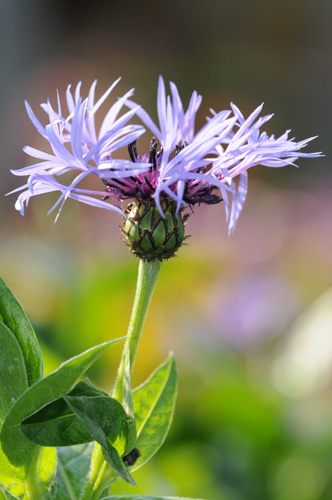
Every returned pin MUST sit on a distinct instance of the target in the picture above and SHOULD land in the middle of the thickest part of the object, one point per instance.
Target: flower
(78, 148)
(188, 169)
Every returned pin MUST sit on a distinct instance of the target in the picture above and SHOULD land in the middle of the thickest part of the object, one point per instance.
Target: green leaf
(12, 478)
(13, 378)
(72, 470)
(5, 494)
(25, 482)
(17, 448)
(13, 316)
(123, 393)
(56, 424)
(107, 421)
(154, 403)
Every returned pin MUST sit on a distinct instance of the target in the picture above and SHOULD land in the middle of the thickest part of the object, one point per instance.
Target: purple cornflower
(78, 148)
(189, 168)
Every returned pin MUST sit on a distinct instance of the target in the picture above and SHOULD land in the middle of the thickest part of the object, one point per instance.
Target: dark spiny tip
(131, 458)
(152, 155)
(179, 147)
(132, 151)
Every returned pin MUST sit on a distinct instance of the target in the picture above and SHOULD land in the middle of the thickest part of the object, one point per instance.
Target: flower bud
(151, 236)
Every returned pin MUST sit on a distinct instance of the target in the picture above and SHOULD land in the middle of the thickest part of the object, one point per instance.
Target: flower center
(142, 187)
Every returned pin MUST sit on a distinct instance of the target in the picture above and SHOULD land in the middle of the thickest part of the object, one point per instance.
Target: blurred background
(249, 317)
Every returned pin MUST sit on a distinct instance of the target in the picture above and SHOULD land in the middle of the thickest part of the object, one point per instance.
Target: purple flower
(78, 148)
(189, 168)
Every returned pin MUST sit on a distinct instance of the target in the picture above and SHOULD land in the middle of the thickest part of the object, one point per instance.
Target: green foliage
(107, 422)
(56, 424)
(41, 475)
(123, 393)
(12, 478)
(13, 376)
(14, 317)
(54, 412)
(73, 466)
(33, 481)
(154, 403)
(21, 366)
(5, 494)
(17, 448)
(144, 497)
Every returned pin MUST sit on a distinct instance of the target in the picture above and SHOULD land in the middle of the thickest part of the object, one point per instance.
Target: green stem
(96, 470)
(146, 282)
(33, 486)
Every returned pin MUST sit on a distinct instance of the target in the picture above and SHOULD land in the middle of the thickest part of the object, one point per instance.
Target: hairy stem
(33, 487)
(100, 475)
(146, 282)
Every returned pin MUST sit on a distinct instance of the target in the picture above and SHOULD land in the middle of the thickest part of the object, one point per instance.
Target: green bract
(150, 235)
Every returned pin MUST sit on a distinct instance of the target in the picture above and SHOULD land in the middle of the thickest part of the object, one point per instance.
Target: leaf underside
(56, 424)
(17, 448)
(92, 413)
(73, 464)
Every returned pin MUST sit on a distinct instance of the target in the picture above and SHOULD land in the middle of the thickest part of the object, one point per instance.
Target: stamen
(135, 179)
(132, 151)
(148, 183)
(179, 147)
(117, 181)
(152, 156)
(130, 194)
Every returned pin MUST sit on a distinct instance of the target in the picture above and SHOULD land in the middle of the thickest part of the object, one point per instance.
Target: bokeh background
(249, 317)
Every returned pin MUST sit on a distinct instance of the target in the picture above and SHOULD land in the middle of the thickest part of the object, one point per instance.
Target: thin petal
(161, 106)
(34, 119)
(143, 115)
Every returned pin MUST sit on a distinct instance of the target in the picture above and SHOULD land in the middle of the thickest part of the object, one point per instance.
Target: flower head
(182, 168)
(200, 168)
